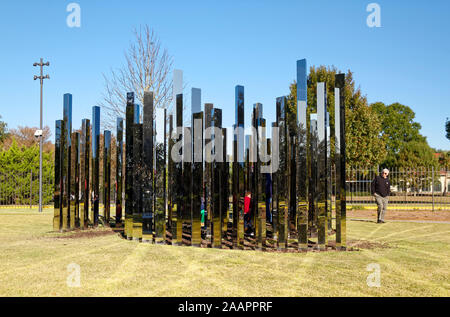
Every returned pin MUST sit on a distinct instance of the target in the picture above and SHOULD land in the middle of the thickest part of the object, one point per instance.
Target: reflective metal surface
(339, 114)
(85, 146)
(303, 151)
(95, 194)
(119, 169)
(66, 132)
(137, 180)
(147, 169)
(238, 170)
(107, 176)
(322, 167)
(129, 166)
(57, 212)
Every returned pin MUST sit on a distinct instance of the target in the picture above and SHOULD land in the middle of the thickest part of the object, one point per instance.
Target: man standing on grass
(381, 188)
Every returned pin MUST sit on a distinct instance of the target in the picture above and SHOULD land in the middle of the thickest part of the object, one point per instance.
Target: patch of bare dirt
(92, 233)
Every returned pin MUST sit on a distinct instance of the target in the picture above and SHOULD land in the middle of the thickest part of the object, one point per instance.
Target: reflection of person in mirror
(381, 188)
(247, 212)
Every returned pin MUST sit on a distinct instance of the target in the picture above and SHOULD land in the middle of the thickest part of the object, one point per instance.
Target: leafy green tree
(365, 145)
(405, 146)
(16, 165)
(3, 130)
(447, 129)
(444, 159)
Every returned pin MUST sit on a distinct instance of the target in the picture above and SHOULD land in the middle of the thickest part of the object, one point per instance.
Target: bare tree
(148, 68)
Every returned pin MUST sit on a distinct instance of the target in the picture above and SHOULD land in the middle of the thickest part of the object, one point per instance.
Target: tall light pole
(41, 64)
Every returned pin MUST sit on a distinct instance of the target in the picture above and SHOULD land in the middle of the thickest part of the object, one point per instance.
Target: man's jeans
(382, 205)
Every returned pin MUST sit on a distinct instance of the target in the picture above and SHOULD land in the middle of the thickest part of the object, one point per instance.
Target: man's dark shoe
(381, 221)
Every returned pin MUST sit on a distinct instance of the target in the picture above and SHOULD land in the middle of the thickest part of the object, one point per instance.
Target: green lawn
(34, 263)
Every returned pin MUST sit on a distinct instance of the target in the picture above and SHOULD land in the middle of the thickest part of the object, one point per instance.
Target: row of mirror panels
(270, 195)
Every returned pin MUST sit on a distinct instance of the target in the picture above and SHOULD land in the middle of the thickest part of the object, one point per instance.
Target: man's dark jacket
(381, 186)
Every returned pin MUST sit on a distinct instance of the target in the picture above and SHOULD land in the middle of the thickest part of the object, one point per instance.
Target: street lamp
(41, 64)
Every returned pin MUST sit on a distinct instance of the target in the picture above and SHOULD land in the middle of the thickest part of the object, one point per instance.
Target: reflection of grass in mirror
(34, 263)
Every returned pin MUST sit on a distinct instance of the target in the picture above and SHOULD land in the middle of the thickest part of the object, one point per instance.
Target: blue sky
(219, 44)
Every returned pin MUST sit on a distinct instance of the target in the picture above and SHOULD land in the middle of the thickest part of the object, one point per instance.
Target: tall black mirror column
(339, 115)
(129, 162)
(198, 202)
(119, 171)
(216, 175)
(225, 192)
(178, 194)
(186, 207)
(159, 217)
(261, 182)
(322, 168)
(147, 169)
(206, 230)
(171, 225)
(281, 175)
(95, 164)
(137, 180)
(85, 146)
(74, 181)
(302, 157)
(291, 139)
(107, 176)
(238, 170)
(65, 163)
(313, 179)
(57, 214)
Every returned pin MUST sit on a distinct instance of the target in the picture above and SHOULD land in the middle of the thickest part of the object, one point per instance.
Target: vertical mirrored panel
(339, 125)
(177, 83)
(198, 200)
(196, 100)
(282, 179)
(137, 180)
(85, 146)
(57, 185)
(291, 139)
(107, 176)
(302, 156)
(66, 164)
(216, 177)
(95, 164)
(129, 162)
(206, 217)
(159, 176)
(329, 181)
(178, 196)
(238, 169)
(186, 207)
(171, 225)
(313, 179)
(261, 183)
(147, 169)
(225, 194)
(269, 241)
(73, 179)
(119, 170)
(322, 168)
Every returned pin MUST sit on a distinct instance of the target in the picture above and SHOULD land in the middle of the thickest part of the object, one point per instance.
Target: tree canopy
(405, 146)
(447, 129)
(3, 130)
(365, 144)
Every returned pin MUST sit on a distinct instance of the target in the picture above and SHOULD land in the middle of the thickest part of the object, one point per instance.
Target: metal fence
(412, 189)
